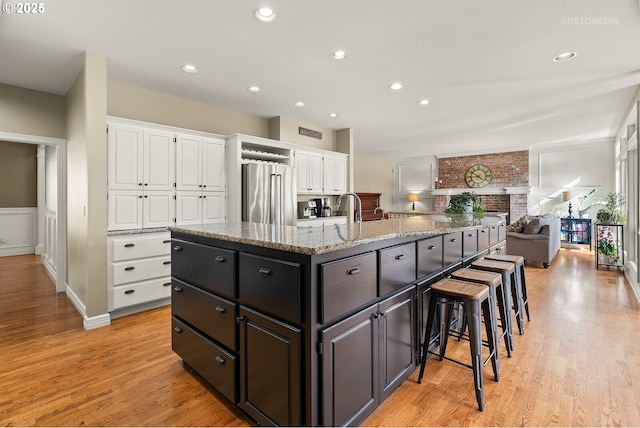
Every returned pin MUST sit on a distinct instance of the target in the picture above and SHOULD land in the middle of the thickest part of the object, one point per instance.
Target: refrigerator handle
(273, 190)
(279, 209)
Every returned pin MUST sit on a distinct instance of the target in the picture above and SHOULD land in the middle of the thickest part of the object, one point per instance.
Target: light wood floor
(578, 363)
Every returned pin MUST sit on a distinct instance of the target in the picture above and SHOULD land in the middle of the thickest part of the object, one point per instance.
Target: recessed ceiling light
(333, 115)
(188, 68)
(253, 89)
(339, 54)
(424, 102)
(265, 14)
(299, 104)
(396, 86)
(565, 56)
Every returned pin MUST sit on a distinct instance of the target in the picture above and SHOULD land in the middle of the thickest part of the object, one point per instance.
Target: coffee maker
(307, 209)
(323, 207)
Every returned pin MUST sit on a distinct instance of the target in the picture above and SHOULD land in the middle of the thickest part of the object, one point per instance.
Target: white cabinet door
(213, 207)
(125, 157)
(158, 209)
(125, 209)
(335, 174)
(188, 162)
(315, 172)
(309, 172)
(213, 165)
(341, 174)
(302, 171)
(188, 208)
(329, 174)
(158, 160)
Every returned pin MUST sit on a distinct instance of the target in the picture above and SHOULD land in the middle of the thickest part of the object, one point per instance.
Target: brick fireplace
(507, 191)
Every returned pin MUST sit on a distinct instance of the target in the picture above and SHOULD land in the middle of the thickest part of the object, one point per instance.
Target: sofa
(536, 238)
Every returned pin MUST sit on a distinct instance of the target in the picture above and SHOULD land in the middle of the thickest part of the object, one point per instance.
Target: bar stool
(475, 298)
(519, 262)
(494, 282)
(511, 292)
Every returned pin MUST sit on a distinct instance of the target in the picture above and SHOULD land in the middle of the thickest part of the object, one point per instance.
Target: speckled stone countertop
(322, 240)
(136, 231)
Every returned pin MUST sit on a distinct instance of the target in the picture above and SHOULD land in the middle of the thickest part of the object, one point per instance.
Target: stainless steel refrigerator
(269, 194)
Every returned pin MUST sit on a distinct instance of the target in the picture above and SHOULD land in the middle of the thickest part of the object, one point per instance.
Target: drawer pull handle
(431, 247)
(353, 271)
(220, 360)
(177, 248)
(220, 259)
(265, 271)
(240, 319)
(177, 330)
(220, 309)
(129, 268)
(470, 235)
(166, 284)
(177, 289)
(483, 231)
(454, 239)
(129, 291)
(400, 257)
(129, 245)
(166, 262)
(166, 241)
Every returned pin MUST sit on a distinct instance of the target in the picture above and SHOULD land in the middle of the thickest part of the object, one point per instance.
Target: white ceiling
(486, 66)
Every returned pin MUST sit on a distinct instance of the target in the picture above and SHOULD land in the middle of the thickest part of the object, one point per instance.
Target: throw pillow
(518, 226)
(532, 227)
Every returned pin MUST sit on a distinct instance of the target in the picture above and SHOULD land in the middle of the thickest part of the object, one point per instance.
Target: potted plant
(607, 246)
(612, 209)
(464, 207)
(583, 212)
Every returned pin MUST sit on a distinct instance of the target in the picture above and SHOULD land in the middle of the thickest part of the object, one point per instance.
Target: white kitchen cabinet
(140, 158)
(200, 207)
(309, 171)
(322, 221)
(139, 269)
(140, 209)
(335, 173)
(200, 163)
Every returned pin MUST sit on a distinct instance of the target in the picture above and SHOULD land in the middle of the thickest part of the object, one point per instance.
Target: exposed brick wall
(510, 169)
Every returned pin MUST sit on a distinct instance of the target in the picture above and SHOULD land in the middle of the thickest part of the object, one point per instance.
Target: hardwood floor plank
(578, 363)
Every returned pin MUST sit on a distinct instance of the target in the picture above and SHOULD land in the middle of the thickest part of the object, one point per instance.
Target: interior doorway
(57, 225)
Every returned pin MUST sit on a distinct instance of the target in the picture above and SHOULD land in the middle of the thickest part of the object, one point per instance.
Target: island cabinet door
(483, 239)
(350, 375)
(494, 234)
(270, 369)
(429, 256)
(397, 267)
(452, 248)
(469, 242)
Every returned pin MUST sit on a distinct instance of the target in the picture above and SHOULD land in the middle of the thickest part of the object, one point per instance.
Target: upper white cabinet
(140, 158)
(335, 173)
(309, 171)
(139, 209)
(200, 163)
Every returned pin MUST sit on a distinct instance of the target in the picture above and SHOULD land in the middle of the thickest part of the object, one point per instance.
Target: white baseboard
(139, 308)
(89, 323)
(16, 251)
(631, 272)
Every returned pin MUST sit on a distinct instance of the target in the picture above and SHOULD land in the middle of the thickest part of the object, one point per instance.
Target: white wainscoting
(50, 243)
(18, 231)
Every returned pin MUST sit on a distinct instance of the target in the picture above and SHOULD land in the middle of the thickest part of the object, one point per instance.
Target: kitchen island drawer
(483, 238)
(138, 246)
(138, 270)
(210, 268)
(494, 234)
(452, 248)
(271, 286)
(139, 292)
(429, 256)
(469, 242)
(214, 316)
(214, 364)
(397, 267)
(347, 284)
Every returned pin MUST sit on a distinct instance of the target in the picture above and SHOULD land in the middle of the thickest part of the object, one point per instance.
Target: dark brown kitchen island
(312, 326)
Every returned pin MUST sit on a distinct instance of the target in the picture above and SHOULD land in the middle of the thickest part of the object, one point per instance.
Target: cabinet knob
(240, 319)
(129, 291)
(177, 248)
(177, 289)
(129, 245)
(353, 271)
(454, 239)
(220, 360)
(177, 329)
(139, 184)
(220, 259)
(265, 271)
(204, 185)
(431, 247)
(146, 184)
(220, 309)
(400, 257)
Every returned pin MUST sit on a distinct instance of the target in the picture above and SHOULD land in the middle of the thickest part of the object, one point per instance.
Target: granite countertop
(322, 240)
(136, 231)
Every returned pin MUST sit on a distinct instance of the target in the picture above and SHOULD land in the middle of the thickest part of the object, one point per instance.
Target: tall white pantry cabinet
(158, 176)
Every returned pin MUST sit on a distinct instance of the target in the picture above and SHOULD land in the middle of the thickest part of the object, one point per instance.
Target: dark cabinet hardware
(205, 186)
(139, 184)
(353, 271)
(265, 271)
(129, 245)
(139, 196)
(483, 231)
(399, 256)
(220, 259)
(221, 309)
(177, 329)
(177, 289)
(431, 247)
(146, 196)
(240, 319)
(454, 239)
(470, 235)
(166, 284)
(166, 262)
(220, 360)
(129, 291)
(129, 268)
(166, 241)
(146, 184)
(177, 248)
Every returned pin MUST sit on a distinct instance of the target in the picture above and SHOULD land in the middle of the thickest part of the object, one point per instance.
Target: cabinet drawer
(139, 270)
(347, 284)
(429, 256)
(214, 316)
(502, 232)
(469, 242)
(214, 364)
(139, 246)
(397, 267)
(270, 285)
(452, 248)
(210, 268)
(483, 238)
(493, 234)
(140, 292)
